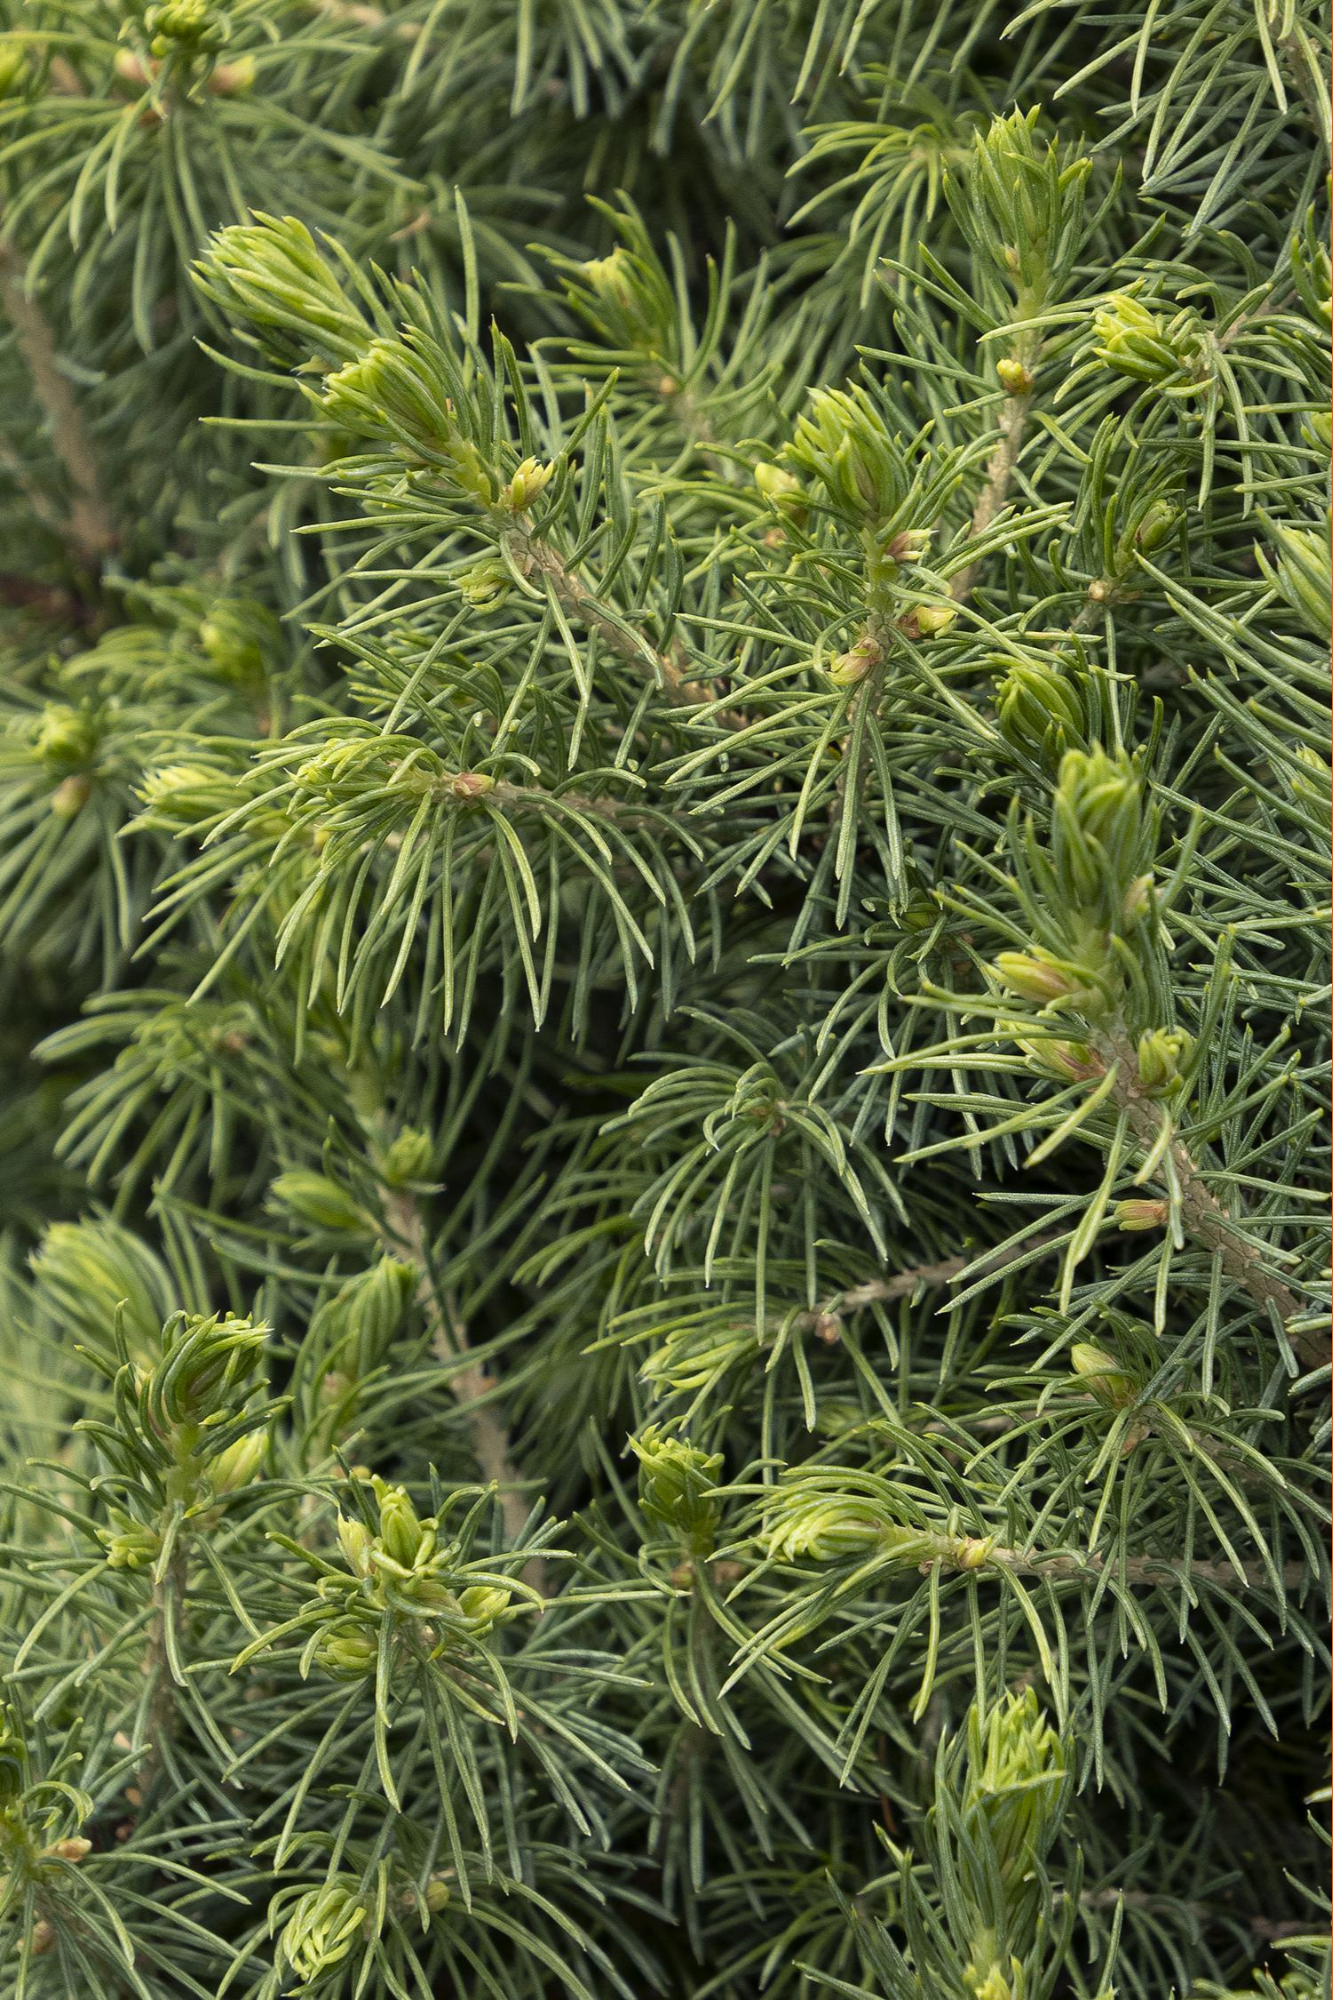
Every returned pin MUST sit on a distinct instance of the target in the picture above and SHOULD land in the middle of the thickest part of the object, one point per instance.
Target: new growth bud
(1158, 523)
(1097, 834)
(1171, 354)
(842, 442)
(525, 485)
(484, 583)
(846, 669)
(72, 1849)
(1040, 710)
(404, 1536)
(178, 795)
(239, 1464)
(778, 486)
(1014, 1788)
(1021, 205)
(1102, 1375)
(482, 1606)
(270, 275)
(208, 1370)
(1162, 1052)
(356, 1542)
(241, 640)
(396, 390)
(677, 1487)
(827, 1517)
(1137, 1214)
(407, 1158)
(187, 25)
(611, 278)
(129, 1544)
(1303, 574)
(347, 1654)
(1034, 976)
(315, 1199)
(324, 1926)
(65, 736)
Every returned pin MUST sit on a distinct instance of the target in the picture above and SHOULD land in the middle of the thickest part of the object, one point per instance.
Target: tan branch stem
(999, 471)
(472, 1385)
(1202, 1214)
(168, 1597)
(1153, 1571)
(535, 558)
(358, 16)
(88, 525)
(904, 1284)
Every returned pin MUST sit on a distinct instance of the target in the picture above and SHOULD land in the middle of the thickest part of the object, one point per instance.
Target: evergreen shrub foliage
(664, 784)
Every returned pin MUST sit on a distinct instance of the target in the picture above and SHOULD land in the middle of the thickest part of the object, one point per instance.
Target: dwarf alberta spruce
(664, 858)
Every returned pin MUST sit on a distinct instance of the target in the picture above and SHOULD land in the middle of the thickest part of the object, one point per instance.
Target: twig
(1201, 1212)
(874, 642)
(168, 1598)
(1271, 1930)
(904, 1284)
(999, 471)
(877, 636)
(88, 526)
(1272, 302)
(1296, 55)
(1155, 1571)
(536, 558)
(473, 1387)
(358, 16)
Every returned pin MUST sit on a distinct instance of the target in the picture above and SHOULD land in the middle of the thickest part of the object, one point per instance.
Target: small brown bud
(129, 67)
(233, 79)
(70, 795)
(845, 669)
(72, 1849)
(469, 785)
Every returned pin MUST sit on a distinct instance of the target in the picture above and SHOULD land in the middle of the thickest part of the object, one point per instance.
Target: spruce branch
(470, 726)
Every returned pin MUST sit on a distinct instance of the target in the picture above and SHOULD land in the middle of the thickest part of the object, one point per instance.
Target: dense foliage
(664, 847)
